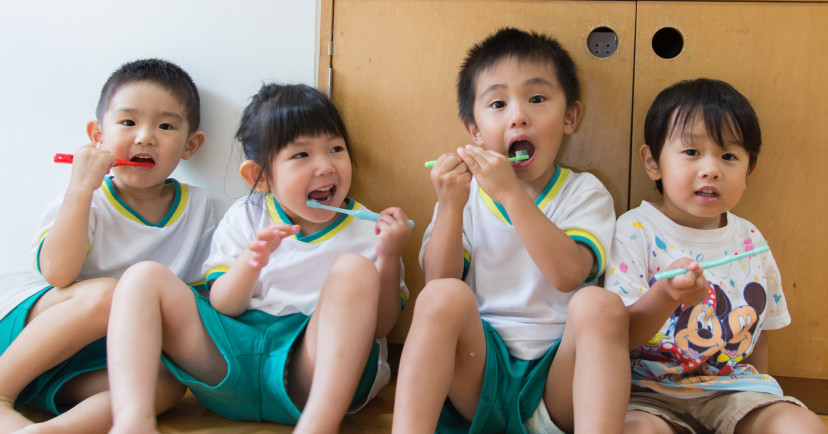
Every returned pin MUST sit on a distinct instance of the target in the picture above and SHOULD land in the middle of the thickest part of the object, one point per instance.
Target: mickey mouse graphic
(715, 328)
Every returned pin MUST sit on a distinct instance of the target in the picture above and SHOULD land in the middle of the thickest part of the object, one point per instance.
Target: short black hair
(727, 115)
(161, 72)
(521, 45)
(279, 114)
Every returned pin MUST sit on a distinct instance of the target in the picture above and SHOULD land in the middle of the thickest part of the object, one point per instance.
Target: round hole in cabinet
(668, 43)
(602, 42)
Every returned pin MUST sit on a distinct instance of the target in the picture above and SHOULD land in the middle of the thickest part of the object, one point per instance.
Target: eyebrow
(166, 114)
(532, 81)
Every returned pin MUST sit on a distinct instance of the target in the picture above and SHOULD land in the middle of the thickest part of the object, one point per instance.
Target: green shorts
(41, 392)
(720, 412)
(256, 347)
(512, 390)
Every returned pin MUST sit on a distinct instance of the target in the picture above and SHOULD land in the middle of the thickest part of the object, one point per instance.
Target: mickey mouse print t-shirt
(700, 349)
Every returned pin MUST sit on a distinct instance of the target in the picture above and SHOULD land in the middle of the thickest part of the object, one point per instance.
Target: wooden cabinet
(394, 68)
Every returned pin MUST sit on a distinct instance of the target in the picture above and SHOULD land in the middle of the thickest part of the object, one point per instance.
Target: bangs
(719, 125)
(291, 116)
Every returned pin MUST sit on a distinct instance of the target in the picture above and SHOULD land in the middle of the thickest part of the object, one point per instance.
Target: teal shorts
(41, 392)
(256, 347)
(512, 390)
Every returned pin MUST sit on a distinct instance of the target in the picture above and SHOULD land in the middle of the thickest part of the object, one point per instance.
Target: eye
(337, 148)
(691, 152)
(537, 99)
(497, 105)
(730, 157)
(299, 155)
(165, 126)
(127, 123)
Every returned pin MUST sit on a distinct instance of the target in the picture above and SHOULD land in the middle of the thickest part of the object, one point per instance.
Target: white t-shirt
(699, 349)
(118, 237)
(292, 279)
(513, 295)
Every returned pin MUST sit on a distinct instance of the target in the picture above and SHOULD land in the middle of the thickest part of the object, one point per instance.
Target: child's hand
(451, 179)
(89, 166)
(689, 288)
(492, 170)
(266, 242)
(393, 230)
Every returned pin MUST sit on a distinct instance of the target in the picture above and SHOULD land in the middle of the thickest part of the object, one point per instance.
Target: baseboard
(811, 391)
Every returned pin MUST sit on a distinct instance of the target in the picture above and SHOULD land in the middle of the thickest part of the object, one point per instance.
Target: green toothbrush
(519, 156)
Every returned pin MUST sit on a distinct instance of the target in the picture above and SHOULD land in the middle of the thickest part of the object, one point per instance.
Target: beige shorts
(718, 413)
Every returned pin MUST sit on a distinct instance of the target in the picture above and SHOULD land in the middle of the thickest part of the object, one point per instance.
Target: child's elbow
(58, 278)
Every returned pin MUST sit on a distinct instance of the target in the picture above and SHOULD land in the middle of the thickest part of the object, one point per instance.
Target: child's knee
(444, 297)
(145, 275)
(354, 267)
(597, 305)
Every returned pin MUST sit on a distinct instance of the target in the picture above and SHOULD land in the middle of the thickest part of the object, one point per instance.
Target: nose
(710, 169)
(145, 136)
(324, 165)
(518, 115)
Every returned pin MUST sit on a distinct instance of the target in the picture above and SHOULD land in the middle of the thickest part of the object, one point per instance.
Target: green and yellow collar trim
(549, 192)
(179, 204)
(277, 214)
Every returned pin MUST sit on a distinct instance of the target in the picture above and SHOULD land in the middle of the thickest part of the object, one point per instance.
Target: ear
(650, 164)
(573, 114)
(250, 172)
(193, 145)
(93, 130)
(474, 132)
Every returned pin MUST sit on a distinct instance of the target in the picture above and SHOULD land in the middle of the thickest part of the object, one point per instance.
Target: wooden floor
(191, 417)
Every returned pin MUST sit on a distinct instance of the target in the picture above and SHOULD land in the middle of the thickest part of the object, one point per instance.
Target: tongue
(320, 196)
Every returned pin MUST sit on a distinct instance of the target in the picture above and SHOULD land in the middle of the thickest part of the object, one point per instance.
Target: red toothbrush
(67, 158)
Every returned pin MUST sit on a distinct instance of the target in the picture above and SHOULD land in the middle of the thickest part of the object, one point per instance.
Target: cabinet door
(395, 64)
(774, 54)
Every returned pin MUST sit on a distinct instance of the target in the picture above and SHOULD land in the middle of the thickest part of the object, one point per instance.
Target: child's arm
(759, 357)
(393, 230)
(443, 256)
(565, 263)
(231, 293)
(648, 313)
(63, 251)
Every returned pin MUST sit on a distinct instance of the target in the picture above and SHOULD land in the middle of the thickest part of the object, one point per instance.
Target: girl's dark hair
(727, 115)
(161, 72)
(521, 45)
(279, 114)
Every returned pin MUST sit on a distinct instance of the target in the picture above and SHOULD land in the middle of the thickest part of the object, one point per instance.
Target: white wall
(55, 56)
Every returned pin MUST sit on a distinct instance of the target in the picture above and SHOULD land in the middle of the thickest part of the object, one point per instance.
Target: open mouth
(707, 193)
(323, 195)
(522, 145)
(142, 159)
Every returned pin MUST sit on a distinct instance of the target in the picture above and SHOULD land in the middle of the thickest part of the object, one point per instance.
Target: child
(301, 298)
(693, 335)
(148, 111)
(513, 344)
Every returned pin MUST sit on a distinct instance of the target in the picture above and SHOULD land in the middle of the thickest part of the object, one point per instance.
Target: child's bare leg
(444, 355)
(781, 417)
(325, 368)
(641, 422)
(152, 309)
(589, 380)
(92, 411)
(60, 323)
